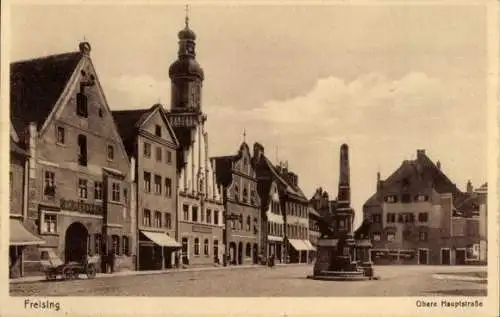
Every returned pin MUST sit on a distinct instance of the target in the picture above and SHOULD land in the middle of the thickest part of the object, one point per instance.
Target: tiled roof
(36, 85)
(127, 124)
(289, 188)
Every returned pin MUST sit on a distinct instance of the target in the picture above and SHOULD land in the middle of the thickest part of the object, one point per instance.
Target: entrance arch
(75, 248)
(232, 253)
(240, 253)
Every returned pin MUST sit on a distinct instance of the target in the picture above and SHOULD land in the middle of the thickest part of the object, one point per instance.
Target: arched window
(184, 246)
(196, 246)
(125, 246)
(205, 248)
(249, 223)
(248, 250)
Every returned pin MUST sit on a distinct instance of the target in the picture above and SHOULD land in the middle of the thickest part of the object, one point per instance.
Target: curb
(459, 278)
(37, 279)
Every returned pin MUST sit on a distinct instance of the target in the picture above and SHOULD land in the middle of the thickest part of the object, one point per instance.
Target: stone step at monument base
(340, 276)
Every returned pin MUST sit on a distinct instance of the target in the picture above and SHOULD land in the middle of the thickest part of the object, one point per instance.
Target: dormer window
(158, 131)
(421, 198)
(81, 105)
(391, 199)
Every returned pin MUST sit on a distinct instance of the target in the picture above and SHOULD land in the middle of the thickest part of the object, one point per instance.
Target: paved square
(265, 281)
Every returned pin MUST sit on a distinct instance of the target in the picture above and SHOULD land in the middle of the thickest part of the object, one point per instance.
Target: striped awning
(309, 245)
(298, 245)
(19, 235)
(161, 239)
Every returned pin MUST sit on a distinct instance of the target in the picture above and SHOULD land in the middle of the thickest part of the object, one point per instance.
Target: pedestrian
(111, 261)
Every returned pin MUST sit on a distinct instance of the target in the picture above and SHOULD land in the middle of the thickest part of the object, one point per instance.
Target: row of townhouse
(137, 187)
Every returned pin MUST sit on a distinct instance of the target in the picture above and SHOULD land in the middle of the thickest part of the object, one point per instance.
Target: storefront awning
(309, 245)
(161, 239)
(298, 245)
(275, 238)
(19, 235)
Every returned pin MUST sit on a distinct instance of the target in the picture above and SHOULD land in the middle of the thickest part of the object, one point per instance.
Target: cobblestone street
(264, 281)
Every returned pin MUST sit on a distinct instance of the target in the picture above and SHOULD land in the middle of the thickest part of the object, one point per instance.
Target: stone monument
(342, 253)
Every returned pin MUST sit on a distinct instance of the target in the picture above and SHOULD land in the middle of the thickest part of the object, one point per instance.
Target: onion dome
(186, 67)
(186, 34)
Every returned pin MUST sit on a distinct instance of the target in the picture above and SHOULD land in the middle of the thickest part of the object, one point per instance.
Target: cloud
(135, 91)
(383, 120)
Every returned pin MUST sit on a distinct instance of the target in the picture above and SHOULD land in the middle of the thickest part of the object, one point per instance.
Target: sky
(301, 80)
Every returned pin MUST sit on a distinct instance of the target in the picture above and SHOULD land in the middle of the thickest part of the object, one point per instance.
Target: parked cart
(54, 267)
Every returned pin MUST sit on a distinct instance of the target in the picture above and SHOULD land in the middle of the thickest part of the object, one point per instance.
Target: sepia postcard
(230, 158)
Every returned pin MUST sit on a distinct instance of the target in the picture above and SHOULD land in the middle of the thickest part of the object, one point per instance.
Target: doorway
(459, 256)
(240, 253)
(75, 248)
(423, 256)
(445, 256)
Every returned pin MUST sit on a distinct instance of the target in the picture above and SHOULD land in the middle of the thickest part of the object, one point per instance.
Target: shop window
(206, 246)
(125, 245)
(97, 243)
(196, 246)
(248, 250)
(116, 244)
(184, 246)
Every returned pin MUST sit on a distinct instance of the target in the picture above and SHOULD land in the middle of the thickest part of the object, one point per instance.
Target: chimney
(438, 164)
(85, 48)
(420, 153)
(470, 188)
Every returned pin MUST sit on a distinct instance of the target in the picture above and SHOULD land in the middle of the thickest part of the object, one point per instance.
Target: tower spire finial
(186, 19)
(244, 135)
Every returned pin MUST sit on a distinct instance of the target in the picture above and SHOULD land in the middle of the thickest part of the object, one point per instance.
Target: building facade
(152, 148)
(236, 175)
(293, 208)
(20, 236)
(200, 204)
(420, 217)
(78, 168)
(314, 233)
